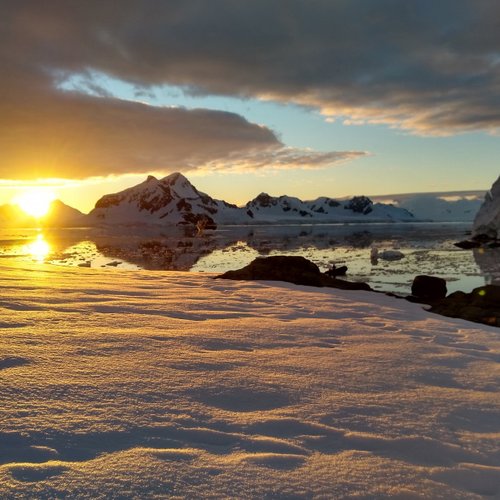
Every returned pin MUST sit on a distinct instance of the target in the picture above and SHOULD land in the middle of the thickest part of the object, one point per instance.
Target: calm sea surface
(427, 248)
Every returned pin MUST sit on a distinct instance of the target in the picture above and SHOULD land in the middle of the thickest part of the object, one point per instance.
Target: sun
(36, 201)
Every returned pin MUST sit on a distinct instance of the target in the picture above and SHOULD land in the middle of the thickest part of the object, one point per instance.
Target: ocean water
(426, 248)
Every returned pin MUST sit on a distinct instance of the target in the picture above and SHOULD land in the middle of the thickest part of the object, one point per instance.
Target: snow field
(151, 384)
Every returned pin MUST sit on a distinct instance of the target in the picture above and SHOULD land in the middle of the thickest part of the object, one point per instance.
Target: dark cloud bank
(432, 67)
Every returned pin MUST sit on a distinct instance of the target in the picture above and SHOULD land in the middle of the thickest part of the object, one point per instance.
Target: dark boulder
(482, 305)
(297, 270)
(484, 238)
(429, 288)
(336, 271)
(468, 244)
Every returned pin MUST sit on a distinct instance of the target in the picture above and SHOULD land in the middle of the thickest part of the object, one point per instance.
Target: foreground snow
(140, 384)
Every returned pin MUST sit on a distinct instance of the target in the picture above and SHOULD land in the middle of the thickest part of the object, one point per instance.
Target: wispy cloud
(279, 158)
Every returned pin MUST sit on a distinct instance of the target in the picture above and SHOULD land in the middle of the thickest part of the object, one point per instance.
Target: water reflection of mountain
(488, 261)
(180, 250)
(167, 252)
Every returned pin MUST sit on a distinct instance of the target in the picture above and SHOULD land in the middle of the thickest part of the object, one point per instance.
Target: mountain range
(174, 201)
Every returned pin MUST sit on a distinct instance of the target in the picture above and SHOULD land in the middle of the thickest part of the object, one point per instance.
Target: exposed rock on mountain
(265, 208)
(487, 221)
(169, 201)
(359, 204)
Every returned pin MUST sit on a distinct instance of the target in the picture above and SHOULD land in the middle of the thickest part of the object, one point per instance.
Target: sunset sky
(306, 97)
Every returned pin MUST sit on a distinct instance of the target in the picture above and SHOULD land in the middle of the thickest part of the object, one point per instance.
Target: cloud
(68, 135)
(279, 158)
(47, 132)
(425, 66)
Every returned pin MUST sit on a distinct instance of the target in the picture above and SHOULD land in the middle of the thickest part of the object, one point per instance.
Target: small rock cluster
(482, 305)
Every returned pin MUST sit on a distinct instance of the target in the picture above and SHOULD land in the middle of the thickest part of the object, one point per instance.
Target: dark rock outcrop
(360, 204)
(428, 288)
(468, 244)
(336, 271)
(482, 305)
(297, 270)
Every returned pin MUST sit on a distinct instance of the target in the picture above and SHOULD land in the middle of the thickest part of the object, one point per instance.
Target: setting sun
(36, 202)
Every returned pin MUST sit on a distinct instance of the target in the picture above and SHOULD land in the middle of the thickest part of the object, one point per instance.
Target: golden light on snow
(39, 248)
(36, 201)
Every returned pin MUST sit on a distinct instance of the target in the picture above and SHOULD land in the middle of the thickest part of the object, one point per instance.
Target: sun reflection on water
(39, 248)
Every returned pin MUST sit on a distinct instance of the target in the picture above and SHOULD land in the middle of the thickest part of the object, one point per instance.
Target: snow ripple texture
(153, 385)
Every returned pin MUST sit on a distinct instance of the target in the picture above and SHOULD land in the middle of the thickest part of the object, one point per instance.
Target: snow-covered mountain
(175, 201)
(487, 221)
(169, 201)
(265, 208)
(452, 206)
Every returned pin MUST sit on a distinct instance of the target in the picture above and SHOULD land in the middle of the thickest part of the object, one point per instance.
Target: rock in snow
(487, 222)
(482, 305)
(429, 288)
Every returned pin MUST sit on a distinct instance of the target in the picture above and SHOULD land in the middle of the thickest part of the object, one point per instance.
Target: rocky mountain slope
(487, 221)
(169, 201)
(175, 201)
(265, 208)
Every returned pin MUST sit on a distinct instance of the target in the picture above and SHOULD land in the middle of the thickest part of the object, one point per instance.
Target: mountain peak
(151, 178)
(175, 178)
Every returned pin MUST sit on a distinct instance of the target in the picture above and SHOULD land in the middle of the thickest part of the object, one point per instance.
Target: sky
(307, 98)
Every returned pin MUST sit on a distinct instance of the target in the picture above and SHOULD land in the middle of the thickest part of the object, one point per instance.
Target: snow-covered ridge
(267, 208)
(487, 221)
(173, 200)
